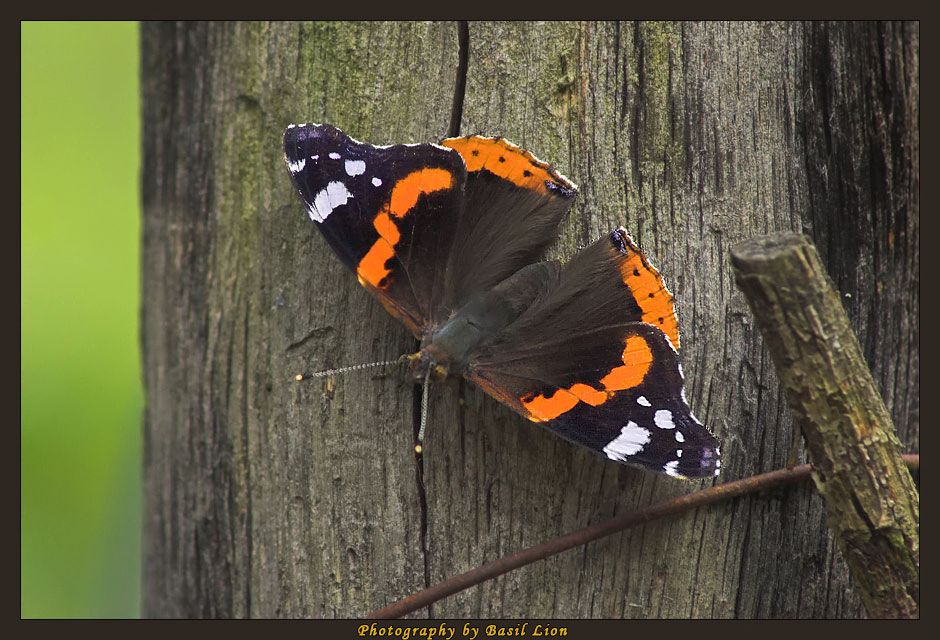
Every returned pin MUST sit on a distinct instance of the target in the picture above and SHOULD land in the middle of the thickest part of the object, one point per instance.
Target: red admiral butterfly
(447, 237)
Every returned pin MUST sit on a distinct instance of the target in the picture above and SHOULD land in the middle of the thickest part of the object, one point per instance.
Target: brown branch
(872, 503)
(545, 550)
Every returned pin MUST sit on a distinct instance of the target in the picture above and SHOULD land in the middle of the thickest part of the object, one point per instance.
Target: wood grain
(264, 498)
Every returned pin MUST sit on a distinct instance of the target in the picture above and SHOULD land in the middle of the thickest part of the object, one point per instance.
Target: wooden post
(265, 498)
(873, 505)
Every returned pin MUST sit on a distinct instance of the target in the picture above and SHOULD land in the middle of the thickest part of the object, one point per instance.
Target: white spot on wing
(334, 195)
(670, 469)
(663, 419)
(335, 156)
(355, 167)
(298, 166)
(643, 401)
(678, 453)
(679, 436)
(630, 442)
(315, 157)
(376, 182)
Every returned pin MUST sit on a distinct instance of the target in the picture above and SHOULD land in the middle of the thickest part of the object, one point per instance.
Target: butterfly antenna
(300, 377)
(424, 412)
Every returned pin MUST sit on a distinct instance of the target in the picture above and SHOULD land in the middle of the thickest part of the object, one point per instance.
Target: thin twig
(681, 504)
(460, 82)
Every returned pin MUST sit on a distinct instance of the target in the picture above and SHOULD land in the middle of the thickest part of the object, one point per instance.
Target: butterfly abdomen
(483, 318)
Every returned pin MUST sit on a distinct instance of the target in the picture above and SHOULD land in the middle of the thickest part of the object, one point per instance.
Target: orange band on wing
(587, 393)
(637, 359)
(407, 190)
(651, 295)
(372, 268)
(387, 228)
(542, 408)
(507, 161)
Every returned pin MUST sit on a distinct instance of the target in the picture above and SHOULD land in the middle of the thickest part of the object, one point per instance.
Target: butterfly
(448, 238)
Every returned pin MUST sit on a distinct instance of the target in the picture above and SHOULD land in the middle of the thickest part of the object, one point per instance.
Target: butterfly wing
(389, 213)
(594, 359)
(513, 204)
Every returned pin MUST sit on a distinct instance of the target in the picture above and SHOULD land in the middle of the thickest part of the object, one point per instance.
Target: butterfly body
(448, 349)
(448, 237)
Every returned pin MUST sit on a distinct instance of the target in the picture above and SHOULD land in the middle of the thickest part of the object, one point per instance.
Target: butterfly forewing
(389, 213)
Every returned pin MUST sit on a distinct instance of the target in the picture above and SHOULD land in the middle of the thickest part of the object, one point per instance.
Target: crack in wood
(314, 333)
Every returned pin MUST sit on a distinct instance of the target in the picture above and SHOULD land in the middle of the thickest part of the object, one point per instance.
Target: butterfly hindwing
(594, 360)
(389, 213)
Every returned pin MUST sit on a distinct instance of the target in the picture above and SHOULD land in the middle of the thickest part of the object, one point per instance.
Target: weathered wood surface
(265, 498)
(871, 500)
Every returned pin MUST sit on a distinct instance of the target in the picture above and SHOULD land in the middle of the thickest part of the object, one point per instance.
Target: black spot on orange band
(651, 295)
(647, 286)
(506, 160)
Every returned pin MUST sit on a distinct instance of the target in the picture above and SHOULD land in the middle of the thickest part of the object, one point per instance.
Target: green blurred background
(80, 293)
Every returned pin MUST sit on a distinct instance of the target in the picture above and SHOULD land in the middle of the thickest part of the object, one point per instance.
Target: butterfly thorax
(447, 348)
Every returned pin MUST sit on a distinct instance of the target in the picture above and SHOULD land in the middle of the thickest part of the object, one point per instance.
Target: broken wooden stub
(872, 502)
